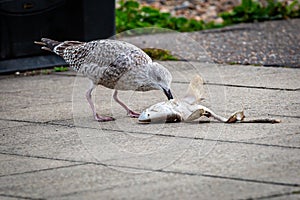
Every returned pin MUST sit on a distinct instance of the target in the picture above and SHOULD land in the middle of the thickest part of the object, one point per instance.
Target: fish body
(181, 111)
(186, 109)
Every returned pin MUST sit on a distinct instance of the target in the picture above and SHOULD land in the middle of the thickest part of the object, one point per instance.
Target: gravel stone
(206, 10)
(272, 43)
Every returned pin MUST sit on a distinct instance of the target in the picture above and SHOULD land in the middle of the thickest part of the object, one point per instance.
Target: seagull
(113, 64)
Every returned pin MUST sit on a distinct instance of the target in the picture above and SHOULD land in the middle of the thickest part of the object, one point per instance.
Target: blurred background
(24, 21)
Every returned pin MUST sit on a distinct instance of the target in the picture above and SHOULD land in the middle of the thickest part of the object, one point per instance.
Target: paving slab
(289, 140)
(184, 187)
(39, 86)
(40, 113)
(247, 161)
(45, 141)
(270, 43)
(8, 197)
(13, 165)
(95, 181)
(4, 124)
(268, 134)
(76, 179)
(236, 99)
(52, 148)
(29, 98)
(282, 197)
(261, 163)
(236, 75)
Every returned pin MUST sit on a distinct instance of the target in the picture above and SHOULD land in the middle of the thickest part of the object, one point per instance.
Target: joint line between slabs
(243, 86)
(275, 195)
(161, 135)
(19, 197)
(169, 171)
(234, 178)
(37, 122)
(184, 137)
(42, 170)
(43, 157)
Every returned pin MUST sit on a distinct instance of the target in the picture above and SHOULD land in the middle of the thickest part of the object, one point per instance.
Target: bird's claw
(133, 114)
(103, 118)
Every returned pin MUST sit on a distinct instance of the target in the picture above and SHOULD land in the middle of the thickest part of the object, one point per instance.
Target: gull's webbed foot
(133, 114)
(100, 118)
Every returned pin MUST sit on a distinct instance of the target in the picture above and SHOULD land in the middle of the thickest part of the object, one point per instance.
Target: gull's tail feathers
(56, 46)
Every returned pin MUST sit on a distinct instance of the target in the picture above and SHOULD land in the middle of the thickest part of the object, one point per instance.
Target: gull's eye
(148, 115)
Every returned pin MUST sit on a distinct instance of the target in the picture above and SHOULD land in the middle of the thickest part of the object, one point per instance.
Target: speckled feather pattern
(74, 53)
(104, 61)
(112, 63)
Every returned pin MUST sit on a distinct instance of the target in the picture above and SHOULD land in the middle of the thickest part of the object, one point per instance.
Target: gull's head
(160, 78)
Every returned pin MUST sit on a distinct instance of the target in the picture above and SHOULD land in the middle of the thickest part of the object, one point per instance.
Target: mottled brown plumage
(114, 64)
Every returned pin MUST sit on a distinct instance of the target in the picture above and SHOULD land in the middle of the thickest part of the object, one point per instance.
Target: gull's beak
(168, 94)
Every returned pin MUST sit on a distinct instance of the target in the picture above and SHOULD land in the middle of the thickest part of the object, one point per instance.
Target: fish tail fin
(195, 91)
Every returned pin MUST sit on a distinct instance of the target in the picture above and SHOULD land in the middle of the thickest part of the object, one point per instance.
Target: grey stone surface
(290, 197)
(259, 163)
(45, 141)
(12, 165)
(95, 181)
(271, 43)
(50, 146)
(183, 187)
(31, 98)
(9, 198)
(4, 124)
(238, 75)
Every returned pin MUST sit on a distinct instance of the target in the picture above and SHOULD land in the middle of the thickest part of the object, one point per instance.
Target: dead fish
(188, 109)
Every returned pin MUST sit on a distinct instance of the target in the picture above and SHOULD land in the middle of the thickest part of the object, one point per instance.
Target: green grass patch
(159, 54)
(251, 11)
(131, 15)
(42, 71)
(61, 69)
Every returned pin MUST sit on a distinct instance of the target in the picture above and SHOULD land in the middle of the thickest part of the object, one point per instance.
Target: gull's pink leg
(129, 112)
(89, 99)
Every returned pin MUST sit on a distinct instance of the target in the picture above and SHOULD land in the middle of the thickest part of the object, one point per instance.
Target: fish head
(161, 112)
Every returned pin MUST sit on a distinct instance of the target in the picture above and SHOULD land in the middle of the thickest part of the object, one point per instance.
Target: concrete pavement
(52, 149)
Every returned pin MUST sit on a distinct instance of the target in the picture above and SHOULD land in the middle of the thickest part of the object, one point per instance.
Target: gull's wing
(124, 62)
